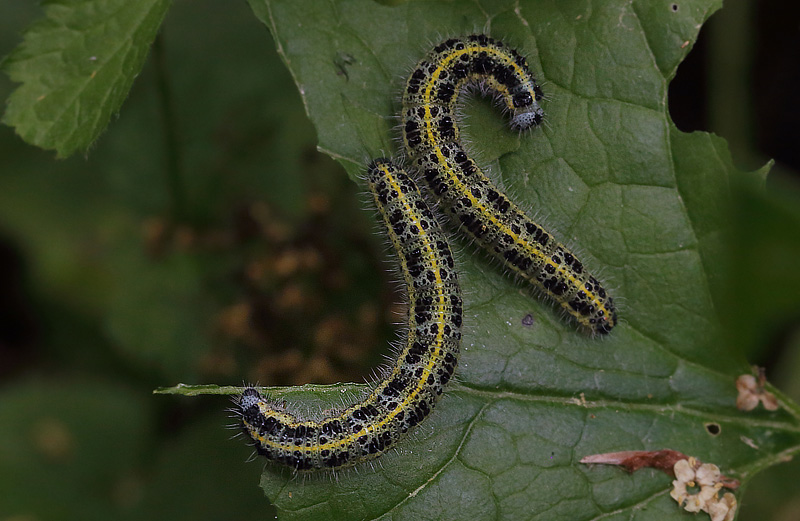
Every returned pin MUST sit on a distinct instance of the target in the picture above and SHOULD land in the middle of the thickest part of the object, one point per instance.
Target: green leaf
(645, 205)
(76, 67)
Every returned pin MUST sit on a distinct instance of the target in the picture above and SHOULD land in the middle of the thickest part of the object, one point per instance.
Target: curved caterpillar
(481, 210)
(423, 367)
(428, 358)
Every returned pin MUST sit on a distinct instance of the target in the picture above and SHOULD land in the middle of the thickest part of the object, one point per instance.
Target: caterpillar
(424, 365)
(428, 357)
(481, 210)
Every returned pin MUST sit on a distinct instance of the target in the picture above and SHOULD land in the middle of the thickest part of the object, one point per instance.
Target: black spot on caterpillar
(480, 209)
(425, 363)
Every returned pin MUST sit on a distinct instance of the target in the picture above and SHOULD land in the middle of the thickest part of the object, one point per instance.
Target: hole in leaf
(713, 428)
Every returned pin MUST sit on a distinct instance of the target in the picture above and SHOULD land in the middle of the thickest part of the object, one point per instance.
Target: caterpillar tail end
(605, 321)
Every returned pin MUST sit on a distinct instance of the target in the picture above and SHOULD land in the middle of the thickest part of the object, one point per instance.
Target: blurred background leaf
(204, 239)
(76, 66)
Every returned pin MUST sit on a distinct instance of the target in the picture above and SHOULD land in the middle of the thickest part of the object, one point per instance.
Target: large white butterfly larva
(424, 365)
(427, 360)
(482, 211)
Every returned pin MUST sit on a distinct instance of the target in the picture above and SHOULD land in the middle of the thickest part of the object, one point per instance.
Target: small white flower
(679, 492)
(707, 475)
(724, 509)
(708, 478)
(751, 392)
(694, 503)
(684, 470)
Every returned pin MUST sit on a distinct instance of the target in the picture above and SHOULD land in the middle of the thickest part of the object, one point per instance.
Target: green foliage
(646, 205)
(56, 438)
(76, 67)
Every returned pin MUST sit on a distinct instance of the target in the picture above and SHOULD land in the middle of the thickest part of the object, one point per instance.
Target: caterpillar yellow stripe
(432, 139)
(425, 362)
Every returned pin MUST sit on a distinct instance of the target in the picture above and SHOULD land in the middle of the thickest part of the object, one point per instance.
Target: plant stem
(174, 166)
(729, 70)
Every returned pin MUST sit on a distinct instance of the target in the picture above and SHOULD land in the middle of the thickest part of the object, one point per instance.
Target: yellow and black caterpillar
(428, 357)
(424, 364)
(482, 211)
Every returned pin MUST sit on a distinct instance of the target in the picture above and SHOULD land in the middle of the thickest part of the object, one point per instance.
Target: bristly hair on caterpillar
(424, 365)
(477, 206)
(426, 359)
